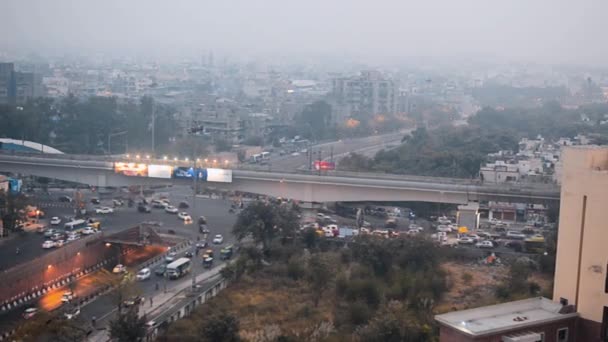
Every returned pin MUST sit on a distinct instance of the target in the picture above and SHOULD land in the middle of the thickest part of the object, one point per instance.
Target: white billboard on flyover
(219, 175)
(160, 171)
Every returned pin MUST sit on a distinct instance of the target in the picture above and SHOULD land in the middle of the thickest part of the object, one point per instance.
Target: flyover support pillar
(468, 216)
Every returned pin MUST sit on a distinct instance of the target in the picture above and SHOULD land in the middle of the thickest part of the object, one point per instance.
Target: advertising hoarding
(324, 165)
(15, 185)
(131, 169)
(219, 175)
(160, 171)
(186, 172)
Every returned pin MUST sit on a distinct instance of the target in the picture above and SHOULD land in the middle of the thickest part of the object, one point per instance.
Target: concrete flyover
(337, 186)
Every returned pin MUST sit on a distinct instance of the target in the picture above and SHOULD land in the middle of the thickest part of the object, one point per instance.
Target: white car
(515, 235)
(184, 216)
(218, 239)
(295, 154)
(55, 221)
(465, 240)
(120, 268)
(89, 231)
(484, 244)
(444, 220)
(143, 274)
(48, 244)
(444, 228)
(73, 237)
(104, 210)
(67, 296)
(171, 209)
(72, 313)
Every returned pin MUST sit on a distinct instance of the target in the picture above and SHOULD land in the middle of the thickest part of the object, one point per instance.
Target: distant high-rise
(365, 95)
(7, 83)
(18, 87)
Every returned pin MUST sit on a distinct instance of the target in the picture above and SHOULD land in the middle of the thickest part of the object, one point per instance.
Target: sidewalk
(161, 302)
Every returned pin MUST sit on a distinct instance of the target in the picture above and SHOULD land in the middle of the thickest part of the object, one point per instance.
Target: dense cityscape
(198, 183)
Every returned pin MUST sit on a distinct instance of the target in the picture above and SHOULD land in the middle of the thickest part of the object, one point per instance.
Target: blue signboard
(14, 185)
(185, 172)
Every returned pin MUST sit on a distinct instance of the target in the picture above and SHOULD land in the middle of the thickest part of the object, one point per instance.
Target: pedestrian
(151, 301)
(157, 286)
(93, 321)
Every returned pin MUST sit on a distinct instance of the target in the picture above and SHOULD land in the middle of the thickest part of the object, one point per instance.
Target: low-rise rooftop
(504, 317)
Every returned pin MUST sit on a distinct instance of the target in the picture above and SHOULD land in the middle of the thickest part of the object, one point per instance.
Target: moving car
(183, 205)
(201, 244)
(30, 312)
(515, 235)
(104, 210)
(48, 244)
(72, 313)
(226, 253)
(120, 268)
(89, 231)
(444, 228)
(118, 203)
(465, 240)
(160, 270)
(55, 221)
(67, 296)
(142, 208)
(171, 209)
(143, 274)
(95, 200)
(65, 199)
(202, 220)
(184, 216)
(59, 243)
(50, 232)
(136, 300)
(73, 237)
(170, 257)
(484, 244)
(218, 239)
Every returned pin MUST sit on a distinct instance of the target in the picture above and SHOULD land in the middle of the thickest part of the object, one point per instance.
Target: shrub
(359, 313)
(467, 278)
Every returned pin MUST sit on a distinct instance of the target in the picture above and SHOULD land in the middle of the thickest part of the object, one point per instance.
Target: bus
(265, 155)
(178, 268)
(535, 244)
(75, 225)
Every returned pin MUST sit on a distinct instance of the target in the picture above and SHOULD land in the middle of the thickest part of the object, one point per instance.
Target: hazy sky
(551, 31)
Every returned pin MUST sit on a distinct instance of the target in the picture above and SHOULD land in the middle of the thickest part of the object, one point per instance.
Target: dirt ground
(476, 292)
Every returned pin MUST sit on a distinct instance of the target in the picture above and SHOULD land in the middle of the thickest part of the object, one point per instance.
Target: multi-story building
(364, 96)
(28, 85)
(581, 274)
(7, 83)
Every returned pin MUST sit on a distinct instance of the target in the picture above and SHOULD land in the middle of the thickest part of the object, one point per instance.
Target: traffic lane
(82, 287)
(104, 306)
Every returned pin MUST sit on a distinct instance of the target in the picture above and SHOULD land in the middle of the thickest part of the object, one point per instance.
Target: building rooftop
(504, 317)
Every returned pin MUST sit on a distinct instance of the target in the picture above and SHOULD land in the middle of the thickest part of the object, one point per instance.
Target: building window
(562, 335)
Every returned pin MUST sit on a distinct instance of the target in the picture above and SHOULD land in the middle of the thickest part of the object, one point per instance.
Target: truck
(178, 268)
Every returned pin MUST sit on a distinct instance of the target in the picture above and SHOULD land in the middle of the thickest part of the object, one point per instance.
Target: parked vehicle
(135, 300)
(89, 231)
(65, 199)
(444, 228)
